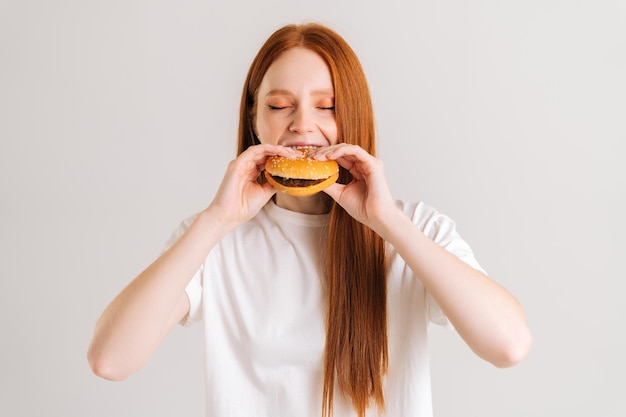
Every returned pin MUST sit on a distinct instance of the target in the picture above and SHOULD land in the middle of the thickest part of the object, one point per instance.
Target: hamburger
(300, 176)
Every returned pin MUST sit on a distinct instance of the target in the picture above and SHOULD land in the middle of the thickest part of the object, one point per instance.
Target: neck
(315, 204)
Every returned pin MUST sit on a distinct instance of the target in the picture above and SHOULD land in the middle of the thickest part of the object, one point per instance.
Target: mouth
(303, 145)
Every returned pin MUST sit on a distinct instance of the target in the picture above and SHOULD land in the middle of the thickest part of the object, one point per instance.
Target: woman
(302, 298)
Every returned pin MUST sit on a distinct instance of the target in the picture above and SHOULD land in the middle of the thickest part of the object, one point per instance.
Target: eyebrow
(283, 92)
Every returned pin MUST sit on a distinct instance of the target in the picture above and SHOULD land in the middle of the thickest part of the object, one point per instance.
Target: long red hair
(356, 339)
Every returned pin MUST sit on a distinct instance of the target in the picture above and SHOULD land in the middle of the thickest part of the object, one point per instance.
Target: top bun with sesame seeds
(301, 176)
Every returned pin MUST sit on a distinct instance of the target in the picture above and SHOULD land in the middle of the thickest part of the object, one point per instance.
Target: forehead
(297, 69)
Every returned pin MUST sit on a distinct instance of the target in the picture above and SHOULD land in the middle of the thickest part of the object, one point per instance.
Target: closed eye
(276, 107)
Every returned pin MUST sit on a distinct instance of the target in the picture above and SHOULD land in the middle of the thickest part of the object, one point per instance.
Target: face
(296, 102)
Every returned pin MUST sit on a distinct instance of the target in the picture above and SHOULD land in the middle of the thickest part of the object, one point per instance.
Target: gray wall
(117, 119)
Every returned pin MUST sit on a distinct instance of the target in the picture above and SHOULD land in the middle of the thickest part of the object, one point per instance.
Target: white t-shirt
(261, 298)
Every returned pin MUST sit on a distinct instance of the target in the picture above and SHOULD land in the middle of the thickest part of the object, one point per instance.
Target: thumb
(268, 190)
(334, 191)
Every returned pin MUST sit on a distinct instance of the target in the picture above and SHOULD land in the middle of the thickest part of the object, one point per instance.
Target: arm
(487, 317)
(136, 321)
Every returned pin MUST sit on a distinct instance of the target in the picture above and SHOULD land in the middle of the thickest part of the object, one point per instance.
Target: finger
(321, 154)
(255, 157)
(260, 153)
(359, 162)
(340, 150)
(334, 191)
(353, 158)
(269, 191)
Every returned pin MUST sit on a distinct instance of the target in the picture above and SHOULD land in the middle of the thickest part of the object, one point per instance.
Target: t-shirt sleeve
(194, 288)
(442, 230)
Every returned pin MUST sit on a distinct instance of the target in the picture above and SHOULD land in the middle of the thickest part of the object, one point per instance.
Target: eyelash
(282, 108)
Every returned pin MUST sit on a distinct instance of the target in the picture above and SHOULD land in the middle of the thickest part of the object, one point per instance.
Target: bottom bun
(302, 191)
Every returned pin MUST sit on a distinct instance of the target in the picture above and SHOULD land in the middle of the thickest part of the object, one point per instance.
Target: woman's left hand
(367, 197)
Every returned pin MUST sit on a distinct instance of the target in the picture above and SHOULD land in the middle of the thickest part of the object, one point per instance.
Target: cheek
(265, 127)
(330, 131)
(260, 121)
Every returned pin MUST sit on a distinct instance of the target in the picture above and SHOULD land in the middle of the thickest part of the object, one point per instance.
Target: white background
(117, 119)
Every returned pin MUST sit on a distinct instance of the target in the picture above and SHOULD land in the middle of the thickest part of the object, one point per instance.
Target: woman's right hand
(240, 196)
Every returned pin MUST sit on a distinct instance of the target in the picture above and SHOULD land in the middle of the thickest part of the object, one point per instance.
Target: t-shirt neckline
(280, 214)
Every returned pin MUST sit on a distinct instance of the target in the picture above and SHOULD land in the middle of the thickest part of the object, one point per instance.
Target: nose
(302, 122)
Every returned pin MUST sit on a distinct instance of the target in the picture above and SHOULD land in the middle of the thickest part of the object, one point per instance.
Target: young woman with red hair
(317, 305)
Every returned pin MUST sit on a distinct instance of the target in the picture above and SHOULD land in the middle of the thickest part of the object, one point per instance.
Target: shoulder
(440, 228)
(427, 218)
(262, 219)
(179, 231)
